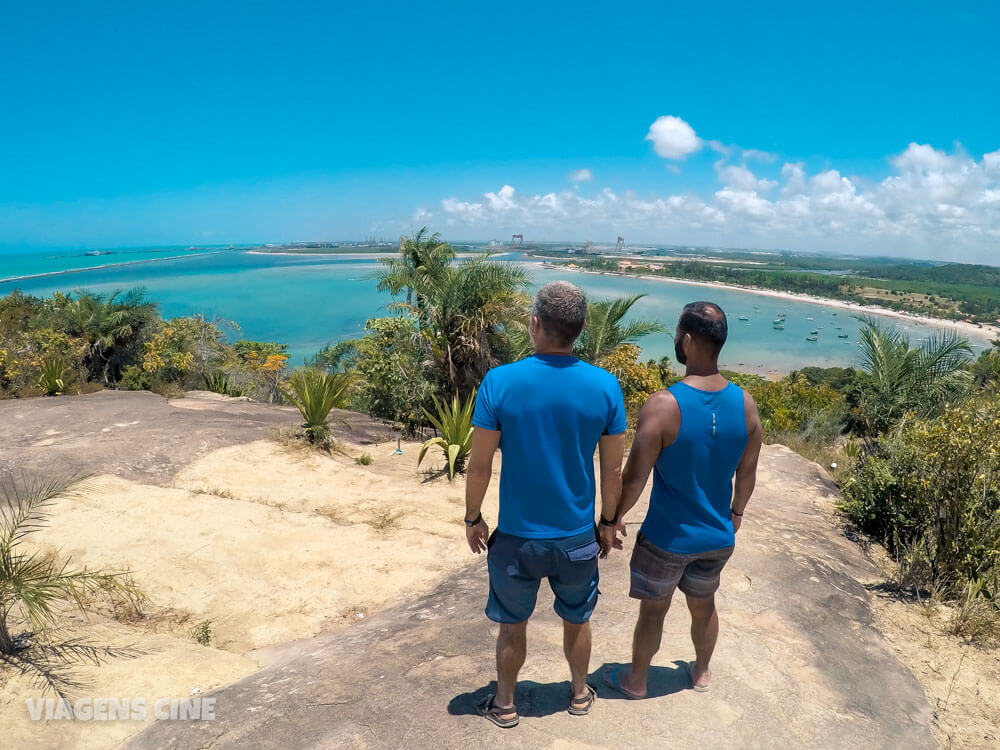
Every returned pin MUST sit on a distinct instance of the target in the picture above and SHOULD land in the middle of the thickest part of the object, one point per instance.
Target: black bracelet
(479, 520)
(604, 522)
(735, 513)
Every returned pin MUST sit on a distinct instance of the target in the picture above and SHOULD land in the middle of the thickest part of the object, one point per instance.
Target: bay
(308, 301)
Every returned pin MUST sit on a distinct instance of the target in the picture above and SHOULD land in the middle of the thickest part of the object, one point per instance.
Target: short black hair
(706, 322)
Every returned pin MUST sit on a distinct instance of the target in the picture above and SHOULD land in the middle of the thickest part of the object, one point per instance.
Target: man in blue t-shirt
(547, 414)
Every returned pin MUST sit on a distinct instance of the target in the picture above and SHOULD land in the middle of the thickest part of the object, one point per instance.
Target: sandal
(588, 702)
(492, 712)
(611, 680)
(696, 688)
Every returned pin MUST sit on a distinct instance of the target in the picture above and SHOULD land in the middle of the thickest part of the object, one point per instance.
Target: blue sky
(127, 124)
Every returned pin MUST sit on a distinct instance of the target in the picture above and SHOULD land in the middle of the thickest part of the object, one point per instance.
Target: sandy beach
(985, 333)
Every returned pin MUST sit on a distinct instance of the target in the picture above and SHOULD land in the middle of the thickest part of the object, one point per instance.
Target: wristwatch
(478, 520)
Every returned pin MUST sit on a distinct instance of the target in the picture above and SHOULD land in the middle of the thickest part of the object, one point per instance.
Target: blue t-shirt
(693, 476)
(551, 410)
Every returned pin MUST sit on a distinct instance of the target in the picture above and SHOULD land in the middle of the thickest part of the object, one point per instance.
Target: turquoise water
(34, 264)
(309, 301)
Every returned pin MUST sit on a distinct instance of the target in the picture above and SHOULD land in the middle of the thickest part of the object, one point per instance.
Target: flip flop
(492, 713)
(585, 708)
(696, 688)
(611, 680)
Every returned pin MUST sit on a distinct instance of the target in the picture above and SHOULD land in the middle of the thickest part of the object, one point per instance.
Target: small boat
(835, 313)
(808, 318)
(812, 338)
(744, 317)
(814, 332)
(779, 327)
(841, 335)
(778, 320)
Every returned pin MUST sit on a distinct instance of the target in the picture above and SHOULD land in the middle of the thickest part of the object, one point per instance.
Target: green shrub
(638, 381)
(365, 459)
(793, 405)
(454, 423)
(202, 633)
(393, 382)
(934, 487)
(55, 376)
(220, 382)
(316, 393)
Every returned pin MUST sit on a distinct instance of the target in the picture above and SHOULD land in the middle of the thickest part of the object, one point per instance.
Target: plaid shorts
(657, 572)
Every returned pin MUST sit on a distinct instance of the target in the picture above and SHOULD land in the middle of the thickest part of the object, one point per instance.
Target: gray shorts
(657, 572)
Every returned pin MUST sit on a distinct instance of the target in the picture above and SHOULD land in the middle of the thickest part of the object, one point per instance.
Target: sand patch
(172, 667)
(267, 544)
(267, 567)
(962, 681)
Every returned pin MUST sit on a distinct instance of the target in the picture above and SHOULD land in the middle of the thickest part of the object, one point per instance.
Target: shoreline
(346, 256)
(342, 256)
(960, 326)
(122, 264)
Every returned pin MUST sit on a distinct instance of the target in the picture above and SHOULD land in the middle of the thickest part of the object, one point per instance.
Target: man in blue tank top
(696, 436)
(547, 413)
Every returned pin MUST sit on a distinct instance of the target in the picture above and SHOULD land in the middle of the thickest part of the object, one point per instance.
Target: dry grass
(384, 521)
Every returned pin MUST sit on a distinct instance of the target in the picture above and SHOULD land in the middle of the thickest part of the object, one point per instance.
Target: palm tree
(420, 256)
(463, 314)
(902, 380)
(110, 325)
(606, 328)
(34, 586)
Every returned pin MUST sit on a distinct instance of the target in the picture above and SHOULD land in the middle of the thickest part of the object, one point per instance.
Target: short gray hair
(561, 308)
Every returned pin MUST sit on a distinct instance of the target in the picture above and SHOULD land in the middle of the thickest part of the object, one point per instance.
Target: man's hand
(609, 537)
(477, 536)
(737, 520)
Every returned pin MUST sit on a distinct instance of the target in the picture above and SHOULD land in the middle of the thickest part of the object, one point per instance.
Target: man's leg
(512, 647)
(645, 643)
(704, 634)
(576, 646)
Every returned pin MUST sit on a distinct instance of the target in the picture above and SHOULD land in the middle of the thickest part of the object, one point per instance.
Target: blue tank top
(693, 476)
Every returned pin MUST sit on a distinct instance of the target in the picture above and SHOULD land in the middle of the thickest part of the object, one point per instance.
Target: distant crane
(621, 244)
(518, 237)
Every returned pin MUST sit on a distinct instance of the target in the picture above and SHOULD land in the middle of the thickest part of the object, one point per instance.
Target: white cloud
(672, 137)
(753, 154)
(931, 203)
(581, 175)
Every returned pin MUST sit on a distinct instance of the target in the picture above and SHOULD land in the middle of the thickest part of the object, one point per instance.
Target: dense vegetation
(955, 291)
(914, 433)
(81, 341)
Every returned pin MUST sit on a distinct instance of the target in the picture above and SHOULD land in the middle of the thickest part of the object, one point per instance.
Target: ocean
(308, 301)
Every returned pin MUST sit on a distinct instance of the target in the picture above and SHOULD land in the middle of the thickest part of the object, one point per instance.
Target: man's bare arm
(612, 450)
(659, 421)
(746, 471)
(477, 480)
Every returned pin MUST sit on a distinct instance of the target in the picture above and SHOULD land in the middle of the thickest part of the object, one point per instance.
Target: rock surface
(799, 663)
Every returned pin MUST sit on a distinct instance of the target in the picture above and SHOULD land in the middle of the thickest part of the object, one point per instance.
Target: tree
(421, 257)
(606, 328)
(901, 379)
(112, 326)
(462, 313)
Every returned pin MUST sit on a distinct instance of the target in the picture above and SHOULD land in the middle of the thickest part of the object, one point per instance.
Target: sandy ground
(265, 542)
(966, 329)
(962, 681)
